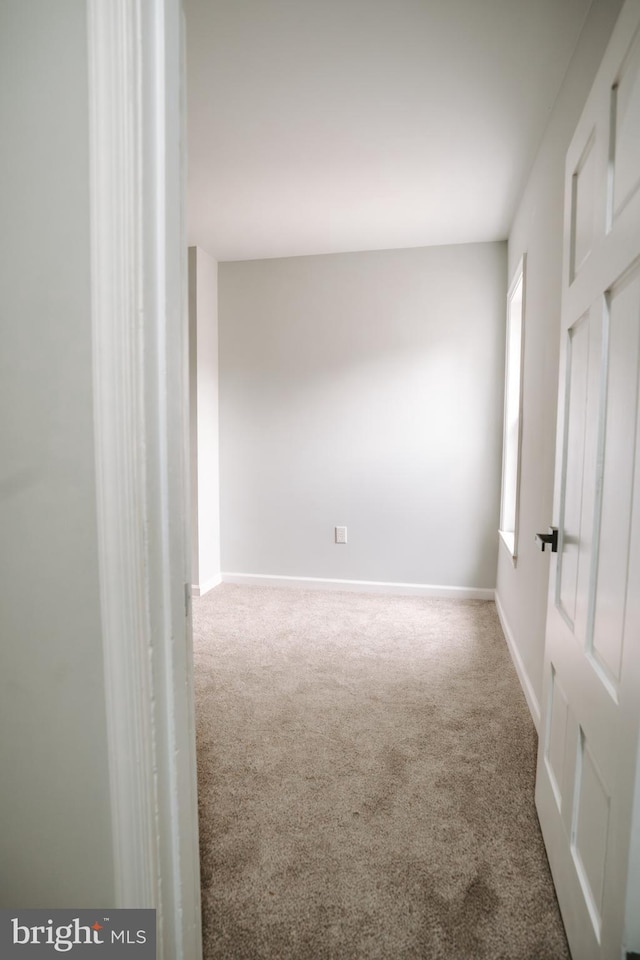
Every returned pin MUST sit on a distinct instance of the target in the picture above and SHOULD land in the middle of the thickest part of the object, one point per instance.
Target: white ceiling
(318, 126)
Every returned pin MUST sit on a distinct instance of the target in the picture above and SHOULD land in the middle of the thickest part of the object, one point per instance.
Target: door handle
(550, 538)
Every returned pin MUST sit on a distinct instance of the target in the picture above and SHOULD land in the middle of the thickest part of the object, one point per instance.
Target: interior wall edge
(518, 662)
(200, 589)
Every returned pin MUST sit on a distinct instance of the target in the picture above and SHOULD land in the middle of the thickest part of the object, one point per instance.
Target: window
(512, 412)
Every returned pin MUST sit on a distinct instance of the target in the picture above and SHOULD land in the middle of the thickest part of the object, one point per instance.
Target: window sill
(508, 539)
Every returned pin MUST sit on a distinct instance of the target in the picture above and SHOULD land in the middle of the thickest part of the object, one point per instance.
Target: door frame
(140, 388)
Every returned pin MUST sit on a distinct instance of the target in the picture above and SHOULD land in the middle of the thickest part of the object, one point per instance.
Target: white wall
(537, 231)
(203, 394)
(55, 839)
(363, 390)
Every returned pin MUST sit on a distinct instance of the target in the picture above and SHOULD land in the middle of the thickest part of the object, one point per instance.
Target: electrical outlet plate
(341, 534)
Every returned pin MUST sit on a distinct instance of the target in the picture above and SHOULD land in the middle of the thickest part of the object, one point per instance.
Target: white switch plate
(341, 534)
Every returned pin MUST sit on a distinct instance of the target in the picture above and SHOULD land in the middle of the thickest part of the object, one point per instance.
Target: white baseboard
(199, 589)
(362, 586)
(523, 676)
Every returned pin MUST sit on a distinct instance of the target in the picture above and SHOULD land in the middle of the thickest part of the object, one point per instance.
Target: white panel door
(591, 696)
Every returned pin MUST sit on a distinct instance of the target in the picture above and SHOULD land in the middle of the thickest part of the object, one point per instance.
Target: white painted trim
(119, 417)
(362, 586)
(199, 590)
(523, 676)
(508, 543)
(138, 262)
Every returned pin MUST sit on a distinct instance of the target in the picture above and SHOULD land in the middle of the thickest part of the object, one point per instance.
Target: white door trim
(138, 260)
(118, 376)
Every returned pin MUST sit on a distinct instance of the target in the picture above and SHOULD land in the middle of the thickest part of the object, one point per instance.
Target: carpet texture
(366, 774)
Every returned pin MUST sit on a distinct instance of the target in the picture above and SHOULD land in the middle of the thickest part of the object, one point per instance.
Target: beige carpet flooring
(366, 772)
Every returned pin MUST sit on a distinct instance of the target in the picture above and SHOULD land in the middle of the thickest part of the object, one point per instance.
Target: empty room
(377, 221)
(320, 479)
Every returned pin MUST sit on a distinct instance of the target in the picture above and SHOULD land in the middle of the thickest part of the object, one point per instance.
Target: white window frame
(512, 429)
